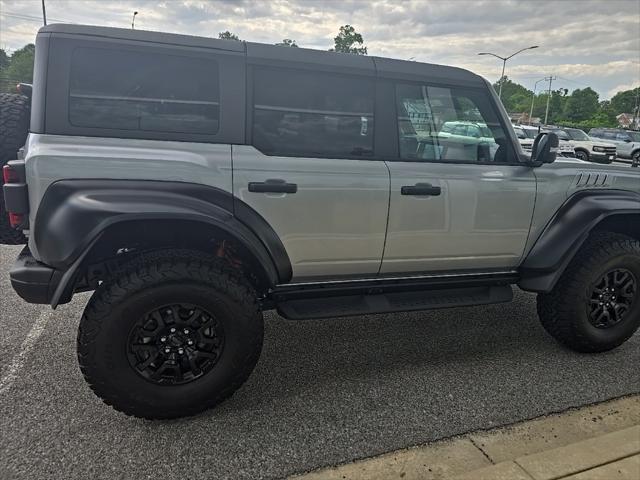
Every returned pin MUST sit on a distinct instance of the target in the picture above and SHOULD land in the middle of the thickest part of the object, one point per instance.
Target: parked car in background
(527, 134)
(588, 149)
(627, 142)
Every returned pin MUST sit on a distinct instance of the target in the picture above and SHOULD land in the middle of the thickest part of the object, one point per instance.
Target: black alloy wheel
(612, 298)
(175, 344)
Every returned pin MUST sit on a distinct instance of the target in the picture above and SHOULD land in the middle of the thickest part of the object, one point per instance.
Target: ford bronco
(193, 183)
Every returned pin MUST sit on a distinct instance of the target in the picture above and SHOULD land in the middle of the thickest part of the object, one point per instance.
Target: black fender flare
(73, 214)
(566, 232)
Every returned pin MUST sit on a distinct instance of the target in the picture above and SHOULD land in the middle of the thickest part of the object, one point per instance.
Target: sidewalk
(598, 442)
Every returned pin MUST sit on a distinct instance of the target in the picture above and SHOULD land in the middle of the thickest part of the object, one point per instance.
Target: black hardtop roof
(262, 53)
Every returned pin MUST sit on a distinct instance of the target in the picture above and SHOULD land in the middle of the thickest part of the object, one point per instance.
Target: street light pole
(133, 20)
(533, 98)
(504, 63)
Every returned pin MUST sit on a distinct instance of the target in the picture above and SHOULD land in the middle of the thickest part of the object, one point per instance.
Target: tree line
(581, 108)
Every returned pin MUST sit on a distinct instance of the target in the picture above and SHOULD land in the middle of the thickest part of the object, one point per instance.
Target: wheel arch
(84, 228)
(583, 213)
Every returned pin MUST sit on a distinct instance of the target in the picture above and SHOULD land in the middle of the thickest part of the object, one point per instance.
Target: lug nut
(186, 331)
(163, 339)
(173, 330)
(167, 350)
(180, 351)
(189, 342)
(168, 312)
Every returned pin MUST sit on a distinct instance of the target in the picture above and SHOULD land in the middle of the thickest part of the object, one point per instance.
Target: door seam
(386, 230)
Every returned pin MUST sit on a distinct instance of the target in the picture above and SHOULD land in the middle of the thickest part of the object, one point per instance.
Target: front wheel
(595, 305)
(582, 155)
(635, 159)
(174, 333)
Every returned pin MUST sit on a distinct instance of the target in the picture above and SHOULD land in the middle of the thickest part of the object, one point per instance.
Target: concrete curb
(598, 441)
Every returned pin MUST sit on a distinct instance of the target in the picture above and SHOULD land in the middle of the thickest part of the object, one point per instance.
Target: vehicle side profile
(627, 142)
(194, 183)
(586, 148)
(527, 134)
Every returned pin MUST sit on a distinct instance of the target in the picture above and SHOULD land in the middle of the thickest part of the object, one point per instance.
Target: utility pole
(44, 13)
(636, 111)
(549, 79)
(133, 20)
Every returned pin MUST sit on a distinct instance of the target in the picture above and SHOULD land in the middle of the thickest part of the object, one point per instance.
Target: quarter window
(133, 90)
(313, 114)
(449, 125)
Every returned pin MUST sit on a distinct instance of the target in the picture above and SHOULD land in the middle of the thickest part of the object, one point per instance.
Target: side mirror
(545, 148)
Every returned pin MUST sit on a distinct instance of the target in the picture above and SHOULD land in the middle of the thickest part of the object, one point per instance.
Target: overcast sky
(583, 42)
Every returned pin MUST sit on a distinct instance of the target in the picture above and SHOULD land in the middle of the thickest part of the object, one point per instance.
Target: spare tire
(14, 127)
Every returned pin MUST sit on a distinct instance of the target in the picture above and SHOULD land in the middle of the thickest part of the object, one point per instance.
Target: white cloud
(588, 42)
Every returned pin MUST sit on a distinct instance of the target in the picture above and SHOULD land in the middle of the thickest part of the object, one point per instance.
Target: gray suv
(194, 183)
(627, 142)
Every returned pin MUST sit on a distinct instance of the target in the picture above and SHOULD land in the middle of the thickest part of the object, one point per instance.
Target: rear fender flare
(75, 213)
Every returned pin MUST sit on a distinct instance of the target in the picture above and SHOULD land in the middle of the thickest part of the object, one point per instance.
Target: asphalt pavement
(324, 392)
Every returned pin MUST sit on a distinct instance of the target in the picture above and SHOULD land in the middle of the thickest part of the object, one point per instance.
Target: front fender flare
(566, 232)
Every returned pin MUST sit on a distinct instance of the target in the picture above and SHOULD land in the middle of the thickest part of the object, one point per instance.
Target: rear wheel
(595, 305)
(14, 127)
(174, 333)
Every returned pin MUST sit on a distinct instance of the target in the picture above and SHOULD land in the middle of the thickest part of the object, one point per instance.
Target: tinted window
(312, 114)
(562, 135)
(143, 91)
(445, 124)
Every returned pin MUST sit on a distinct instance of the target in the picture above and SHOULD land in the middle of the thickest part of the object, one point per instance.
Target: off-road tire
(14, 127)
(582, 155)
(160, 278)
(564, 312)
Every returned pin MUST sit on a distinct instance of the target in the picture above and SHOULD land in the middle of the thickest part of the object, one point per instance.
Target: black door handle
(273, 186)
(425, 189)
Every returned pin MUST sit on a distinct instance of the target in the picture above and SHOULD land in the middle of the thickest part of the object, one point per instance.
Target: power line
(32, 18)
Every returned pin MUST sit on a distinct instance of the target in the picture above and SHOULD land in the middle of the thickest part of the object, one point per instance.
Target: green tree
(227, 35)
(19, 68)
(4, 59)
(515, 97)
(347, 40)
(581, 105)
(287, 42)
(625, 101)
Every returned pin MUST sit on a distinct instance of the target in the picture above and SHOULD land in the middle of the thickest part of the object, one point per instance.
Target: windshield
(520, 132)
(562, 135)
(577, 134)
(635, 136)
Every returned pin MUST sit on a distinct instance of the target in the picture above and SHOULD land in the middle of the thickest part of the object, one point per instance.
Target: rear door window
(133, 90)
(313, 114)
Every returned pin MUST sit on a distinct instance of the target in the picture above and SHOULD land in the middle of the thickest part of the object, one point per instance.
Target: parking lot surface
(324, 392)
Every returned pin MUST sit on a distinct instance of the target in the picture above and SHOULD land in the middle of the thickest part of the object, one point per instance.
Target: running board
(342, 306)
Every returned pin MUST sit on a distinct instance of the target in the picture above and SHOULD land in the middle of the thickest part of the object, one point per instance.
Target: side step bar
(342, 306)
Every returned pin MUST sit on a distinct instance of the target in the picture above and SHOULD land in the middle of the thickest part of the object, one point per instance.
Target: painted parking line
(29, 342)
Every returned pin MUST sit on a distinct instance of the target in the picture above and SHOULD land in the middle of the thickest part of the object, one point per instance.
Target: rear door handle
(273, 185)
(424, 189)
